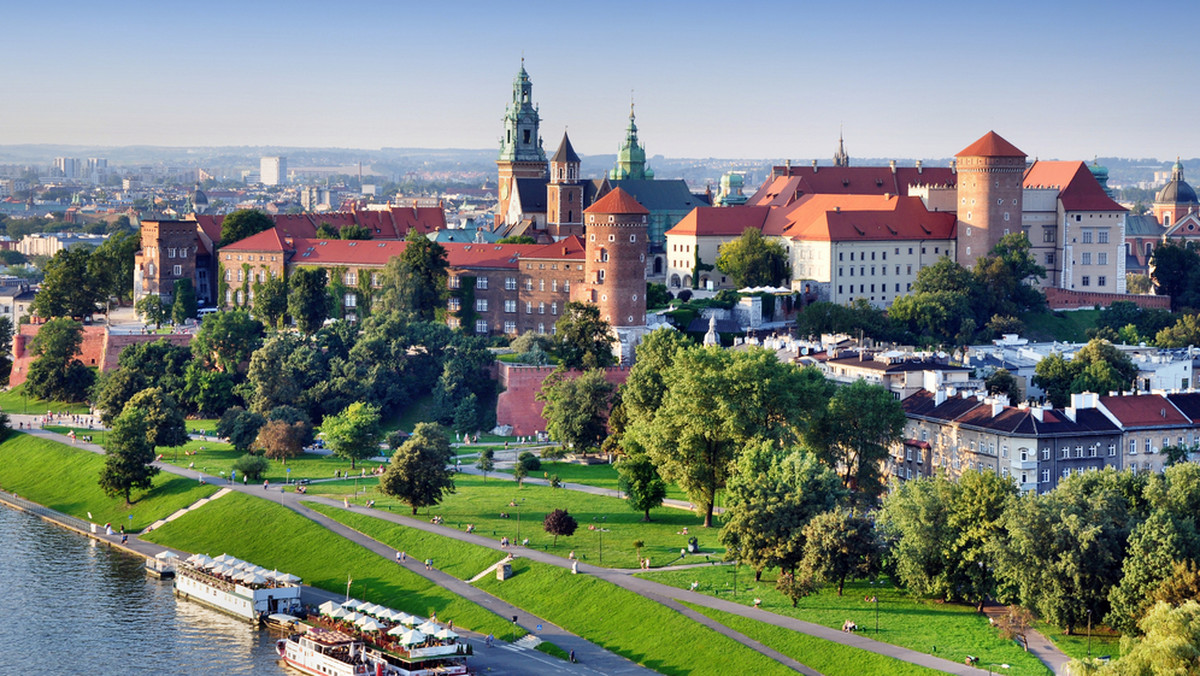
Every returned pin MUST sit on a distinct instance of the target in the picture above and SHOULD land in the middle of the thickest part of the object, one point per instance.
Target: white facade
(273, 170)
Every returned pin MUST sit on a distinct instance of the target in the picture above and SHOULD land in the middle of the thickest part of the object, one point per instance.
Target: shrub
(529, 461)
(251, 466)
(559, 522)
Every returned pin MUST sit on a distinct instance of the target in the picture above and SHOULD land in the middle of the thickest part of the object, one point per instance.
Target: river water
(69, 605)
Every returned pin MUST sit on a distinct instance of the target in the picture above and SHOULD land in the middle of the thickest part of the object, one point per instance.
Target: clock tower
(521, 153)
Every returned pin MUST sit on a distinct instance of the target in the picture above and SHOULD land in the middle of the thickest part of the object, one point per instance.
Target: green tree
(916, 518)
(752, 260)
(773, 494)
(354, 231)
(1185, 332)
(643, 391)
(794, 587)
(838, 545)
(1173, 270)
(111, 265)
(251, 466)
(1155, 546)
(1181, 584)
(326, 231)
(240, 427)
(1097, 367)
(644, 488)
(270, 301)
(1002, 381)
(209, 392)
(582, 340)
(516, 239)
(559, 522)
(576, 408)
(183, 307)
(56, 374)
(860, 423)
(415, 281)
(1169, 645)
(152, 310)
(6, 341)
(68, 288)
(421, 471)
(354, 434)
(164, 420)
(486, 462)
(296, 417)
(128, 462)
(1139, 284)
(308, 304)
(12, 257)
(243, 223)
(1006, 274)
(226, 340)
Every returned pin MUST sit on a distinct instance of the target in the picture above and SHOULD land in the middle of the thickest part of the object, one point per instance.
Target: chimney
(892, 164)
(1037, 412)
(939, 397)
(288, 242)
(918, 166)
(814, 166)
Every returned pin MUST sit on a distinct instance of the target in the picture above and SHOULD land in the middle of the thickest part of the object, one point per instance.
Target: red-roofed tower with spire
(564, 194)
(989, 190)
(615, 265)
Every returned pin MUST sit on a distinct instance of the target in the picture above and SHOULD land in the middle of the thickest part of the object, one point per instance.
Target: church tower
(615, 265)
(1176, 199)
(564, 194)
(991, 174)
(840, 158)
(631, 158)
(521, 153)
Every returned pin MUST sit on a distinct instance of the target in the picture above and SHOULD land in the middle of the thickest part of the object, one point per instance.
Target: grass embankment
(625, 623)
(275, 537)
(15, 401)
(951, 631)
(552, 650)
(1104, 641)
(1065, 326)
(827, 657)
(66, 479)
(481, 503)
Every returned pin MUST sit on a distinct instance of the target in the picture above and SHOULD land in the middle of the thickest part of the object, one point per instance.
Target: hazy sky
(762, 79)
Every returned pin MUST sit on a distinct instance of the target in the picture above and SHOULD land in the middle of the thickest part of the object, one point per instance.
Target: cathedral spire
(840, 158)
(631, 158)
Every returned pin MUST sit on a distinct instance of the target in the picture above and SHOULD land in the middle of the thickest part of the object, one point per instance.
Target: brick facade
(1063, 299)
(517, 404)
(100, 348)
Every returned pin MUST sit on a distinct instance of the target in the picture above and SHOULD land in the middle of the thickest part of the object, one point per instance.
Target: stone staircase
(199, 503)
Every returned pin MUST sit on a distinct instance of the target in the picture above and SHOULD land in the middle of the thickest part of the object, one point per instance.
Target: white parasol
(411, 637)
(165, 555)
(370, 625)
(397, 630)
(405, 618)
(430, 627)
(445, 634)
(339, 613)
(327, 608)
(352, 604)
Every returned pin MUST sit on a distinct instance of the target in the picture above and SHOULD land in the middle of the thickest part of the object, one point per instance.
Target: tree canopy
(582, 340)
(308, 304)
(1097, 367)
(354, 434)
(69, 288)
(753, 260)
(226, 340)
(56, 373)
(421, 472)
(415, 281)
(128, 457)
(243, 223)
(576, 409)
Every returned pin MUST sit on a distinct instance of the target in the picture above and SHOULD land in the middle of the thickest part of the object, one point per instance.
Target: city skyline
(922, 82)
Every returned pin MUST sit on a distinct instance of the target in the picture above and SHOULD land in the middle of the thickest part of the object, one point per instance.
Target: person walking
(428, 564)
(573, 657)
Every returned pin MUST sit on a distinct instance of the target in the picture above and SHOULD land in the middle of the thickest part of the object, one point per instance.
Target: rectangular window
(171, 252)
(1050, 258)
(1101, 280)
(528, 284)
(542, 308)
(510, 327)
(481, 283)
(1133, 447)
(1112, 450)
(1087, 280)
(455, 304)
(1045, 476)
(1046, 453)
(554, 308)
(454, 282)
(528, 307)
(510, 306)
(350, 278)
(1087, 258)
(541, 329)
(481, 305)
(177, 270)
(350, 300)
(510, 283)
(1102, 236)
(1147, 445)
(481, 326)
(554, 285)
(1047, 235)
(1102, 258)
(566, 286)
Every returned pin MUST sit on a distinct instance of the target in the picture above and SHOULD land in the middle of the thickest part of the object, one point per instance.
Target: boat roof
(329, 637)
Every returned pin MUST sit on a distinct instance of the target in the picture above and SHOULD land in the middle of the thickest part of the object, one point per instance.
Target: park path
(1041, 647)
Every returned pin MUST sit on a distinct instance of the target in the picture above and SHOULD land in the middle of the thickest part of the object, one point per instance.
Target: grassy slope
(600, 476)
(274, 536)
(14, 401)
(461, 560)
(625, 623)
(1104, 642)
(481, 502)
(827, 657)
(1062, 326)
(66, 479)
(947, 630)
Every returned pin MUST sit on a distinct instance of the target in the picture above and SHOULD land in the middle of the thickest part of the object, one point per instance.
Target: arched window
(675, 281)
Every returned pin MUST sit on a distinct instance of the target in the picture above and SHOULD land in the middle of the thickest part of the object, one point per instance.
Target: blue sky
(765, 79)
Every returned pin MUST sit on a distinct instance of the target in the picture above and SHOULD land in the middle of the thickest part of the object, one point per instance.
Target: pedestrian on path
(428, 564)
(265, 484)
(573, 660)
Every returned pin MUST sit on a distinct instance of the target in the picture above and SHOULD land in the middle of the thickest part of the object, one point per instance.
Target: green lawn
(552, 650)
(275, 537)
(947, 630)
(827, 657)
(600, 475)
(603, 521)
(202, 424)
(459, 559)
(214, 457)
(66, 479)
(15, 401)
(1104, 641)
(1069, 326)
(625, 623)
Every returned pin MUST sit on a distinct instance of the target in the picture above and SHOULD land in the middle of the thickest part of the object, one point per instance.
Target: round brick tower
(615, 269)
(990, 183)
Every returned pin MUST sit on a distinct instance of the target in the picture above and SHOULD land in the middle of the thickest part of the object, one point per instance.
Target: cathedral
(545, 199)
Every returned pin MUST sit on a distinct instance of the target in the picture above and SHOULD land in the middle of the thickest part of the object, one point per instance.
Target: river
(68, 604)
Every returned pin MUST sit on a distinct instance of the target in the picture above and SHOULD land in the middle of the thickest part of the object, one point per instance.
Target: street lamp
(1089, 632)
(600, 533)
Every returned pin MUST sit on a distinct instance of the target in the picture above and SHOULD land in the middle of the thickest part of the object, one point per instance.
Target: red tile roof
(392, 223)
(1077, 186)
(866, 218)
(1144, 410)
(991, 144)
(720, 221)
(801, 180)
(617, 202)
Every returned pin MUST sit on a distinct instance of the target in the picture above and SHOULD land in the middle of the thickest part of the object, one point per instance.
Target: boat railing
(435, 651)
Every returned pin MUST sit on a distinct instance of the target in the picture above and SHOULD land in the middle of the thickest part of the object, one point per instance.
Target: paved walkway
(1041, 647)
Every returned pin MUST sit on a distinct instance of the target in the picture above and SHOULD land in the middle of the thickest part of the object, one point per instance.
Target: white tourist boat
(328, 652)
(236, 587)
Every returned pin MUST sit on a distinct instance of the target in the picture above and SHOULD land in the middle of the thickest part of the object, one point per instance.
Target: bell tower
(521, 153)
(564, 194)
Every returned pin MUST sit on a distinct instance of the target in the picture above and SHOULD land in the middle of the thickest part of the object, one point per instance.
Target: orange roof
(990, 144)
(1144, 410)
(1077, 186)
(720, 221)
(617, 202)
(801, 180)
(836, 218)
